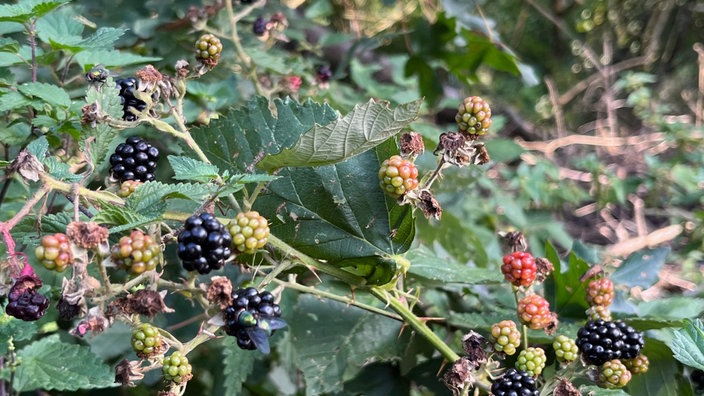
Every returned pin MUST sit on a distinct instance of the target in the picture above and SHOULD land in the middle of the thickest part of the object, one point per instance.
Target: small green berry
(613, 374)
(565, 349)
(506, 337)
(176, 368)
(531, 360)
(146, 341)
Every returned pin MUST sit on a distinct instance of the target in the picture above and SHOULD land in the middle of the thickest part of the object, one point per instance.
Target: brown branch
(699, 109)
(653, 239)
(557, 108)
(549, 147)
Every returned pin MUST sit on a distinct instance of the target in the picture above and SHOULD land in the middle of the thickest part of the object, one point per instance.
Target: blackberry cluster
(637, 365)
(146, 341)
(127, 87)
(176, 368)
(534, 311)
(515, 383)
(507, 337)
(128, 187)
(397, 176)
(54, 252)
(208, 49)
(135, 159)
(136, 253)
(323, 74)
(613, 374)
(253, 301)
(600, 292)
(596, 312)
(531, 360)
(519, 268)
(249, 231)
(565, 349)
(473, 117)
(259, 27)
(24, 301)
(204, 244)
(600, 341)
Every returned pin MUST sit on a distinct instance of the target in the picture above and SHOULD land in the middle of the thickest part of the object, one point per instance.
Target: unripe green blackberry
(136, 253)
(146, 341)
(208, 49)
(397, 176)
(613, 374)
(55, 252)
(637, 365)
(531, 360)
(473, 117)
(249, 231)
(176, 368)
(597, 312)
(127, 188)
(600, 292)
(506, 336)
(565, 349)
(534, 311)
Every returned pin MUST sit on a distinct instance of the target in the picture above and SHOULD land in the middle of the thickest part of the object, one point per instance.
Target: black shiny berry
(244, 302)
(203, 244)
(259, 27)
(26, 304)
(600, 341)
(323, 74)
(135, 159)
(515, 383)
(127, 87)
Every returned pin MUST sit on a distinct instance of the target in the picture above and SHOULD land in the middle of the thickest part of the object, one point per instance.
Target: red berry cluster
(519, 268)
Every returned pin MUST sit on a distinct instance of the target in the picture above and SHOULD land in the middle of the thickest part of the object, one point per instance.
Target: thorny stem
(435, 175)
(241, 54)
(419, 326)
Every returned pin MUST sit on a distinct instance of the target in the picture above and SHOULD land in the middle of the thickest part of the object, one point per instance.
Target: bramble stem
(417, 325)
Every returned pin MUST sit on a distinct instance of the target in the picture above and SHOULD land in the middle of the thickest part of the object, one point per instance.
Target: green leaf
(426, 265)
(328, 212)
(462, 242)
(13, 100)
(365, 127)
(27, 9)
(563, 289)
(672, 308)
(504, 150)
(107, 99)
(60, 170)
(593, 390)
(237, 364)
(9, 45)
(18, 330)
(352, 339)
(641, 268)
(688, 344)
(124, 217)
(26, 229)
(38, 147)
(150, 195)
(186, 168)
(49, 93)
(110, 58)
(50, 364)
(663, 377)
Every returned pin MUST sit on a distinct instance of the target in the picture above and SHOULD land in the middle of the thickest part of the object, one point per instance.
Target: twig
(557, 108)
(549, 147)
(699, 109)
(655, 238)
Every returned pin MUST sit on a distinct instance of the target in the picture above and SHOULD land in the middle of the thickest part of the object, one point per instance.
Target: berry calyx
(519, 268)
(397, 176)
(245, 302)
(135, 159)
(128, 187)
(249, 231)
(203, 244)
(208, 49)
(473, 117)
(637, 365)
(531, 360)
(534, 311)
(146, 341)
(613, 374)
(515, 382)
(565, 349)
(600, 292)
(176, 368)
(600, 341)
(54, 252)
(506, 336)
(136, 253)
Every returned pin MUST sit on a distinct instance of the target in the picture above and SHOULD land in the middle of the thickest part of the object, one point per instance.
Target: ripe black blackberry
(600, 341)
(515, 383)
(24, 302)
(323, 74)
(127, 87)
(204, 243)
(259, 27)
(135, 159)
(256, 303)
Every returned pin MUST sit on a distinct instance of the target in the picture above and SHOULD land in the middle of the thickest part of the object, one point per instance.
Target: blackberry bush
(506, 336)
(514, 383)
(55, 252)
(135, 159)
(398, 176)
(203, 244)
(137, 252)
(249, 231)
(519, 268)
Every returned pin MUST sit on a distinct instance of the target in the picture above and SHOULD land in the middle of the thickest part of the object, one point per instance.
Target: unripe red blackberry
(176, 368)
(515, 383)
(600, 292)
(208, 49)
(136, 253)
(613, 374)
(519, 268)
(55, 252)
(249, 231)
(203, 244)
(397, 176)
(531, 360)
(128, 187)
(146, 341)
(534, 311)
(637, 365)
(506, 336)
(473, 117)
(565, 349)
